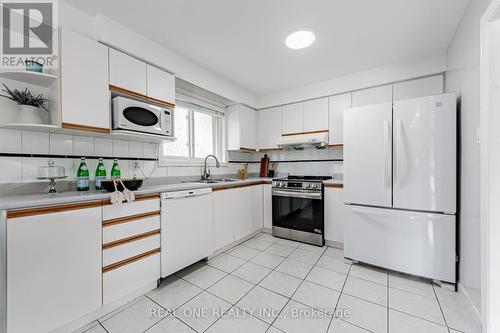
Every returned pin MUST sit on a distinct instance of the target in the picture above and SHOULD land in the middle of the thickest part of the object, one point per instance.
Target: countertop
(334, 182)
(38, 200)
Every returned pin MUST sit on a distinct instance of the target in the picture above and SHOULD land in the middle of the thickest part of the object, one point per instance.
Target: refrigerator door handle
(387, 139)
(398, 143)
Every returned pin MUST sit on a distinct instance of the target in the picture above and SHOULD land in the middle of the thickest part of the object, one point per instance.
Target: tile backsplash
(23, 169)
(310, 161)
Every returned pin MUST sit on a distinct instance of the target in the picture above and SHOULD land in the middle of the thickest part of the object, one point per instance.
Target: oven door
(298, 210)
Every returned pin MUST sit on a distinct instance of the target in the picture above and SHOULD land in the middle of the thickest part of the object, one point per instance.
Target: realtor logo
(27, 28)
(29, 32)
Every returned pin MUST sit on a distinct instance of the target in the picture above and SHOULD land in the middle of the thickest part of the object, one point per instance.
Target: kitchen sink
(212, 181)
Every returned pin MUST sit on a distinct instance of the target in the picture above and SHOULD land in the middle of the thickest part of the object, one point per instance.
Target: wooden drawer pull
(130, 239)
(130, 260)
(12, 214)
(130, 218)
(139, 197)
(229, 187)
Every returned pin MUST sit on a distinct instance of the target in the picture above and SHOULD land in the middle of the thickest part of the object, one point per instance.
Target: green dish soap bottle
(115, 170)
(100, 174)
(82, 176)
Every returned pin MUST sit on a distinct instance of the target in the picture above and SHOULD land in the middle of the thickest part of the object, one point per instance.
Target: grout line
(148, 296)
(254, 286)
(271, 270)
(338, 299)
(104, 328)
(300, 284)
(424, 319)
(440, 307)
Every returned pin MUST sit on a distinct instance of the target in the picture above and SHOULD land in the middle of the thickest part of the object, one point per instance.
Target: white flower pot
(32, 115)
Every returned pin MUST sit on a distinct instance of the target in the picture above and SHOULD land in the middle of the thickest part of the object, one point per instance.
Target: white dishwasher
(186, 228)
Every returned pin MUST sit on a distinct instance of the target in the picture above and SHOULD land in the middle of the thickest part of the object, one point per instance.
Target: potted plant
(31, 106)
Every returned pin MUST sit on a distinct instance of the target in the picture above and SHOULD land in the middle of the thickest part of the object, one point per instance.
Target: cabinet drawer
(131, 249)
(116, 231)
(126, 279)
(110, 212)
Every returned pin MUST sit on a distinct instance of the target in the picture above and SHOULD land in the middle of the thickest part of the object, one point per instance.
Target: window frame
(218, 138)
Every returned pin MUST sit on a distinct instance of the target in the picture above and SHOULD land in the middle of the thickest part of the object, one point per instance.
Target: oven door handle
(292, 194)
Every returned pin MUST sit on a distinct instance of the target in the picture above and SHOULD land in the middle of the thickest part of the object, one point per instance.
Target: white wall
(462, 77)
(405, 70)
(114, 34)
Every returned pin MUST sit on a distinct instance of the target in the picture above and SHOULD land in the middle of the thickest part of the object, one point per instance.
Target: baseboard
(337, 245)
(235, 243)
(470, 306)
(86, 322)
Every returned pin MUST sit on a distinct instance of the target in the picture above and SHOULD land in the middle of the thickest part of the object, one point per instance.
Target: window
(180, 147)
(199, 132)
(203, 134)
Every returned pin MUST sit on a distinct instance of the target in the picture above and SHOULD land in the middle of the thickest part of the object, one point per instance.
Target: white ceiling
(244, 40)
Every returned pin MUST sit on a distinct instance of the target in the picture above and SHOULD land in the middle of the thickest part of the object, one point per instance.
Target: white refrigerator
(400, 176)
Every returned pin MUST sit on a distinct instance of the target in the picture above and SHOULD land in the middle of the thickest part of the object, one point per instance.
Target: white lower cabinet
(128, 278)
(336, 214)
(53, 266)
(238, 212)
(267, 209)
(225, 214)
(257, 208)
(131, 247)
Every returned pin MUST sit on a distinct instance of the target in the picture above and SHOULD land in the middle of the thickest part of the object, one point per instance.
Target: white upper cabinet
(241, 128)
(269, 127)
(427, 86)
(160, 85)
(377, 95)
(248, 127)
(84, 88)
(337, 105)
(316, 115)
(127, 72)
(292, 118)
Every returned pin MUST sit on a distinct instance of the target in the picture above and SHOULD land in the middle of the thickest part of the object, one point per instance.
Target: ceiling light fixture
(300, 39)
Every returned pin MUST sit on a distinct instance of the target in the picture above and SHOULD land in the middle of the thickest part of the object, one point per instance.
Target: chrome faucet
(206, 174)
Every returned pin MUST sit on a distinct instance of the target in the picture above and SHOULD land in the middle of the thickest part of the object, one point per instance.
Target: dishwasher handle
(186, 193)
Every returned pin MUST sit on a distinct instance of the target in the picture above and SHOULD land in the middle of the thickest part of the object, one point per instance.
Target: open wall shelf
(39, 79)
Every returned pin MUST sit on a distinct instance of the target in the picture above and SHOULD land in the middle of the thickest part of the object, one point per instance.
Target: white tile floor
(273, 285)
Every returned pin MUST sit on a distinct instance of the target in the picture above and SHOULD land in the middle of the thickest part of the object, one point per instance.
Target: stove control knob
(307, 185)
(282, 184)
(314, 186)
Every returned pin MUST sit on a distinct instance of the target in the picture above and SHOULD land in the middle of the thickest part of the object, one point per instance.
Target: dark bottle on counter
(100, 174)
(115, 170)
(82, 176)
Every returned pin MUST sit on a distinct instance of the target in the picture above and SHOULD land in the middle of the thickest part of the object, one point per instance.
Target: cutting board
(264, 166)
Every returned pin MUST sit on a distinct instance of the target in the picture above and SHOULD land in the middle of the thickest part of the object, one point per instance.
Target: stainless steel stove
(298, 210)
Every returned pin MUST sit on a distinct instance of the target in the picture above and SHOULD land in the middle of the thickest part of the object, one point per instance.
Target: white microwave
(132, 115)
